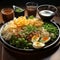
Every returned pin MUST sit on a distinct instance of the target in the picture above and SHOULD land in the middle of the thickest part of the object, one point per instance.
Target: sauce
(46, 14)
(19, 12)
(7, 14)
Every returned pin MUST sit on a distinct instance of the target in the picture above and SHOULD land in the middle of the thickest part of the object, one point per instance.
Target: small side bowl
(18, 11)
(51, 9)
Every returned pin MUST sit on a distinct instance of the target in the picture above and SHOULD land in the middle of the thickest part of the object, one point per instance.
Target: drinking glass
(31, 8)
(7, 14)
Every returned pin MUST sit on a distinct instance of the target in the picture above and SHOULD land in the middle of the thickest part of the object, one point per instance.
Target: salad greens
(20, 42)
(52, 29)
(27, 30)
(32, 35)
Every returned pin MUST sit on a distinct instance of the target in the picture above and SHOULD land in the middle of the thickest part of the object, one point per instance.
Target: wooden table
(4, 55)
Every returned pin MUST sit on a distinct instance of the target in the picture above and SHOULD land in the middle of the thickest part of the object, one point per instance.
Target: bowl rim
(7, 44)
(47, 5)
(36, 4)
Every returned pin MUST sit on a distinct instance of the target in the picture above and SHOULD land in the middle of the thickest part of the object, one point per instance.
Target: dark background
(6, 3)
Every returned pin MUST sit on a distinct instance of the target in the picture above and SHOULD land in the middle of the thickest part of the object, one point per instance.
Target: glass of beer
(7, 14)
(31, 8)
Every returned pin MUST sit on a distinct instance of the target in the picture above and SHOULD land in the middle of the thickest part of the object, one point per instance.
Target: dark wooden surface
(4, 55)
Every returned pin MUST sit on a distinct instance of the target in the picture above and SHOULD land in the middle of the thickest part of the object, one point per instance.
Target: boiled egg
(45, 39)
(35, 38)
(38, 45)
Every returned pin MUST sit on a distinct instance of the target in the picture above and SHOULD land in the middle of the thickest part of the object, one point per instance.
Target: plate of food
(29, 34)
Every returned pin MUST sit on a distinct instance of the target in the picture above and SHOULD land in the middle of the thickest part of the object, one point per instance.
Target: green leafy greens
(20, 42)
(51, 28)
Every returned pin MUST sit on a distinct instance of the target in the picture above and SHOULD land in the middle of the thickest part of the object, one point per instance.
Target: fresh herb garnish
(31, 17)
(27, 30)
